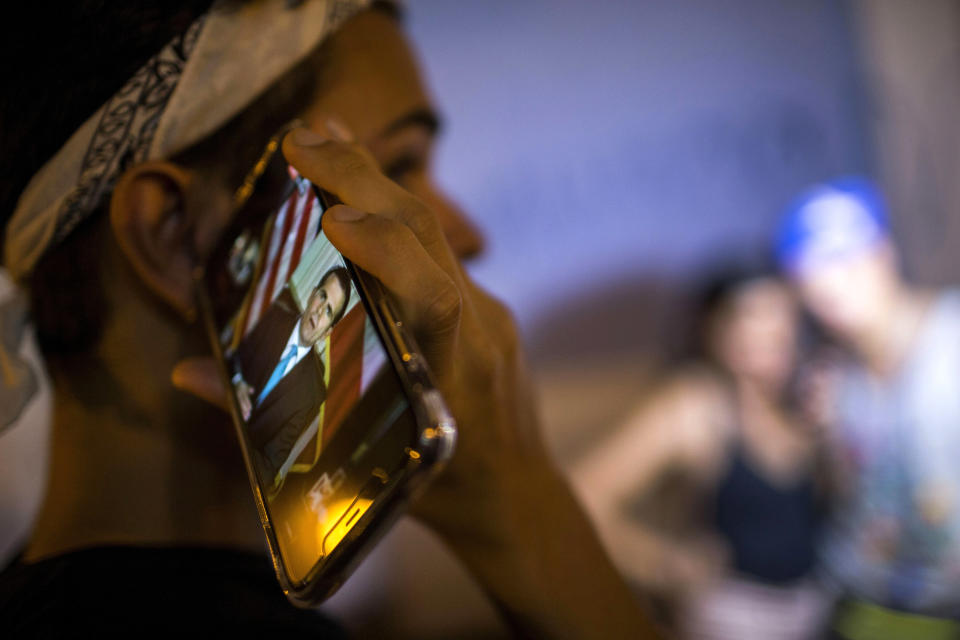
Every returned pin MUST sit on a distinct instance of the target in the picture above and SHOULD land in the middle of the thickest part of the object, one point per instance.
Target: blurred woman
(723, 430)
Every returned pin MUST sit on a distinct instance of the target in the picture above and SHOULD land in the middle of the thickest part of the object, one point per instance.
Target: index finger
(351, 174)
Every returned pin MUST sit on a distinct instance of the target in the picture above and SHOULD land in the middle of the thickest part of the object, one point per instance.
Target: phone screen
(321, 409)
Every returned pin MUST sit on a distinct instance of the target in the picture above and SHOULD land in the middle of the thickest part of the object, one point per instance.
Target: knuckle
(398, 244)
(337, 207)
(420, 219)
(444, 309)
(347, 162)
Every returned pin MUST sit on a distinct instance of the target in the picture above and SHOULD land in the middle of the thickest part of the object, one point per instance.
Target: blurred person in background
(722, 426)
(891, 407)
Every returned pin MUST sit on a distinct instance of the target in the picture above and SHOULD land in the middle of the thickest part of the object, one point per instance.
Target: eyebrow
(423, 117)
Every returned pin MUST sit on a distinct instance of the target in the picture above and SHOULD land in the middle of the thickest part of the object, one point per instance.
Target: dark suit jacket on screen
(276, 424)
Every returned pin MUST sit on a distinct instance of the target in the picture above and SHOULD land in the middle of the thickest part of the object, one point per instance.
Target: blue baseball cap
(831, 221)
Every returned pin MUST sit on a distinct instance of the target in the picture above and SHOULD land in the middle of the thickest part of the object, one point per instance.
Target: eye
(400, 168)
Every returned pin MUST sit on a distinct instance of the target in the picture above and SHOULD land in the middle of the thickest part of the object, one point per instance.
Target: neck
(119, 476)
(885, 344)
(133, 461)
(299, 335)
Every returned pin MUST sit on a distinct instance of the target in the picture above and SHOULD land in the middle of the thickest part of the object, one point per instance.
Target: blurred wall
(612, 150)
(911, 52)
(600, 140)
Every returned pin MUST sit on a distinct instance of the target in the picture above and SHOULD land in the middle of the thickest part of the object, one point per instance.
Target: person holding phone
(145, 486)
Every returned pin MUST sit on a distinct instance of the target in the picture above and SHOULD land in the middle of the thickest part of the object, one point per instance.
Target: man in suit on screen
(279, 374)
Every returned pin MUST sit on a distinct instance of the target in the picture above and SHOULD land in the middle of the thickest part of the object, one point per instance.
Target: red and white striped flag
(295, 226)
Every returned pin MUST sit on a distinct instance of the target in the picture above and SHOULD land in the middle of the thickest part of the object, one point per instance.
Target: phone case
(434, 444)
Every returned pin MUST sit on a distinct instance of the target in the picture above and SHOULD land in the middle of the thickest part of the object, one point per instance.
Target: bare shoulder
(696, 409)
(690, 394)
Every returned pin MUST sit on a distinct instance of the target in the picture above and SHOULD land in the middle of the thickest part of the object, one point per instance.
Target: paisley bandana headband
(184, 93)
(196, 83)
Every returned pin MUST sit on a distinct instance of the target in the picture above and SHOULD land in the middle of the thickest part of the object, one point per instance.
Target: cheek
(732, 346)
(763, 346)
(779, 349)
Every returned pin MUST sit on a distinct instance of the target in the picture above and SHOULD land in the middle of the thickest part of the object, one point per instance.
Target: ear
(153, 215)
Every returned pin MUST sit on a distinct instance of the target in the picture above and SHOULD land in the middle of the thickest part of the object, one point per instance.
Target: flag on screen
(294, 228)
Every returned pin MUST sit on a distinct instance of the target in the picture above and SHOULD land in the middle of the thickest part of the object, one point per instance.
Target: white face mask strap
(19, 370)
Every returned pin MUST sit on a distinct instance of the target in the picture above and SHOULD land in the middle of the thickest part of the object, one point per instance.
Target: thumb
(200, 376)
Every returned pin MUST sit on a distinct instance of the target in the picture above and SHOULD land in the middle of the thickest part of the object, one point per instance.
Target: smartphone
(338, 419)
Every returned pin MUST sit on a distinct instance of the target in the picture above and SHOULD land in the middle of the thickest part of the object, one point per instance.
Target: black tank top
(770, 529)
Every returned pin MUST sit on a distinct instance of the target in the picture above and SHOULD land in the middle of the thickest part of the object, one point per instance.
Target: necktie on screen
(277, 373)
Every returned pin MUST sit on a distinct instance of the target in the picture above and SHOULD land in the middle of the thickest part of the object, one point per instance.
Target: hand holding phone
(335, 410)
(500, 504)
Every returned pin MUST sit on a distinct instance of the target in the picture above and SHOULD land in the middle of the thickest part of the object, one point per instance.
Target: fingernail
(343, 213)
(339, 130)
(304, 137)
